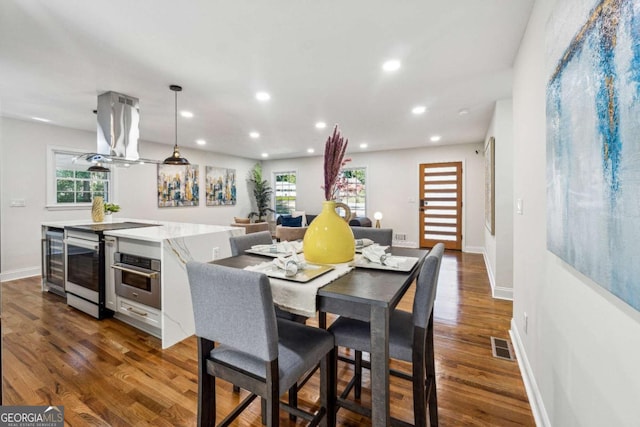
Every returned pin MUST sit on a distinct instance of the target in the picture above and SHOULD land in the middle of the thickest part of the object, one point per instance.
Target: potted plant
(261, 192)
(110, 208)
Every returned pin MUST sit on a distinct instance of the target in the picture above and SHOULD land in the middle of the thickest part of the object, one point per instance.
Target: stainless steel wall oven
(138, 278)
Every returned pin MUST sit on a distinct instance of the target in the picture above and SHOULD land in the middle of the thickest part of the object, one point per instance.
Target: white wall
(23, 176)
(581, 350)
(392, 186)
(499, 246)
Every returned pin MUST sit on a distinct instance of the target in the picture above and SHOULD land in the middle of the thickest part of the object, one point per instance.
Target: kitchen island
(173, 244)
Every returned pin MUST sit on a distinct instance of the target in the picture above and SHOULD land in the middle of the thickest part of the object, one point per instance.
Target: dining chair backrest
(239, 244)
(381, 236)
(426, 286)
(234, 307)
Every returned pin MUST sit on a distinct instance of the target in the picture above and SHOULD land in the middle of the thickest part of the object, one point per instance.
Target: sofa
(292, 227)
(297, 232)
(360, 221)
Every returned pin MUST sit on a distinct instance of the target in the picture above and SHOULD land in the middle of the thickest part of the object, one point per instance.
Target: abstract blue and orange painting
(593, 149)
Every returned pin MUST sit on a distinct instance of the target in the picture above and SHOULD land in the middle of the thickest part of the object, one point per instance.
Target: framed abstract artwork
(220, 184)
(490, 185)
(593, 143)
(178, 185)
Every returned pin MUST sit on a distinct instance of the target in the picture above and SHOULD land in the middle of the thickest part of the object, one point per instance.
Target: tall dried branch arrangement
(334, 150)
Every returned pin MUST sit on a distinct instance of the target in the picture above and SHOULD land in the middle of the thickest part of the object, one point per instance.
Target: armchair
(250, 227)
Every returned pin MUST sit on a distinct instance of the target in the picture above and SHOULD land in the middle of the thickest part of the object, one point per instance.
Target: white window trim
(52, 205)
(366, 184)
(273, 185)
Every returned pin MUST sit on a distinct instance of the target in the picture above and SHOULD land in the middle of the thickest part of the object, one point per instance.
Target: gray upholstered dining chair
(410, 340)
(241, 340)
(381, 236)
(241, 243)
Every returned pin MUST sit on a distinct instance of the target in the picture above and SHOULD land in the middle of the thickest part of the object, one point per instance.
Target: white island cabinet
(174, 244)
(177, 243)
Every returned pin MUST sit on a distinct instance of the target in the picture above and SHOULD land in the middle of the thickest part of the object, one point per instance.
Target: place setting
(291, 267)
(375, 256)
(276, 249)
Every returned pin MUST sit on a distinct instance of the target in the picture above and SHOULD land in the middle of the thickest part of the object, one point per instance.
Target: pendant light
(98, 167)
(175, 158)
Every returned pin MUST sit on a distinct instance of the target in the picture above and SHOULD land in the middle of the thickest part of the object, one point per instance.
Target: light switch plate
(519, 206)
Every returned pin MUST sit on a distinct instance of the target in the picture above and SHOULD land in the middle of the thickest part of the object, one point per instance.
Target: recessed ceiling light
(141, 162)
(364, 145)
(435, 138)
(419, 109)
(310, 150)
(265, 154)
(40, 119)
(254, 135)
(201, 141)
(321, 125)
(187, 114)
(463, 112)
(263, 96)
(391, 65)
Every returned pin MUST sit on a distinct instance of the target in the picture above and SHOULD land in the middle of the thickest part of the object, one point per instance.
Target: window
(352, 190)
(285, 191)
(69, 183)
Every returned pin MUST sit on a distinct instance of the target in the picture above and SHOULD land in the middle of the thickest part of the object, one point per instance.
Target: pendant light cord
(175, 158)
(176, 119)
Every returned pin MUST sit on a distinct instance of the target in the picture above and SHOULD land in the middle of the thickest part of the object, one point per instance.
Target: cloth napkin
(300, 298)
(290, 264)
(378, 255)
(279, 248)
(361, 243)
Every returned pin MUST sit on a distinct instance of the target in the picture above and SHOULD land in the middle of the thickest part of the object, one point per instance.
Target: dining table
(367, 294)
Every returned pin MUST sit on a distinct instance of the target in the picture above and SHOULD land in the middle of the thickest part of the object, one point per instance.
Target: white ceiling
(319, 60)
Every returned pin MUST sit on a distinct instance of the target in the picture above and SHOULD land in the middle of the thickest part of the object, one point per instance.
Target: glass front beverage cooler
(53, 260)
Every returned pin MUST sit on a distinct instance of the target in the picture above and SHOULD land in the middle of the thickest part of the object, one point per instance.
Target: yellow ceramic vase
(97, 209)
(329, 239)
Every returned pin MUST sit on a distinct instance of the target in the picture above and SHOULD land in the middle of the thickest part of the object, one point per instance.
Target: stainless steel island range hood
(118, 133)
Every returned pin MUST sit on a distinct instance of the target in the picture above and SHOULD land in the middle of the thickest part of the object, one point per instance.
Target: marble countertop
(165, 230)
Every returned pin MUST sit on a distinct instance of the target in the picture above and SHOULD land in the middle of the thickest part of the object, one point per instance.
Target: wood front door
(441, 205)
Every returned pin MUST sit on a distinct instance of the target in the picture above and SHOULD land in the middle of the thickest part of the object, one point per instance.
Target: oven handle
(151, 275)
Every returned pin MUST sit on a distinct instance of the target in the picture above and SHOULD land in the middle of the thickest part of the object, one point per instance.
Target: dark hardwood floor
(106, 373)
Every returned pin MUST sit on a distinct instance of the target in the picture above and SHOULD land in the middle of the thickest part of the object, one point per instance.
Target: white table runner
(300, 298)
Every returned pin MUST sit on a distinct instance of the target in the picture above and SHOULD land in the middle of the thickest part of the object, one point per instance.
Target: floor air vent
(501, 349)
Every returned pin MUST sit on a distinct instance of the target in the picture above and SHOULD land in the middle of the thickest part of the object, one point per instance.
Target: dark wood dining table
(364, 294)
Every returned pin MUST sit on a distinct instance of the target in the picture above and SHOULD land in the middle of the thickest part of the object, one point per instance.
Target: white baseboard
(492, 279)
(20, 273)
(533, 392)
(473, 249)
(497, 292)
